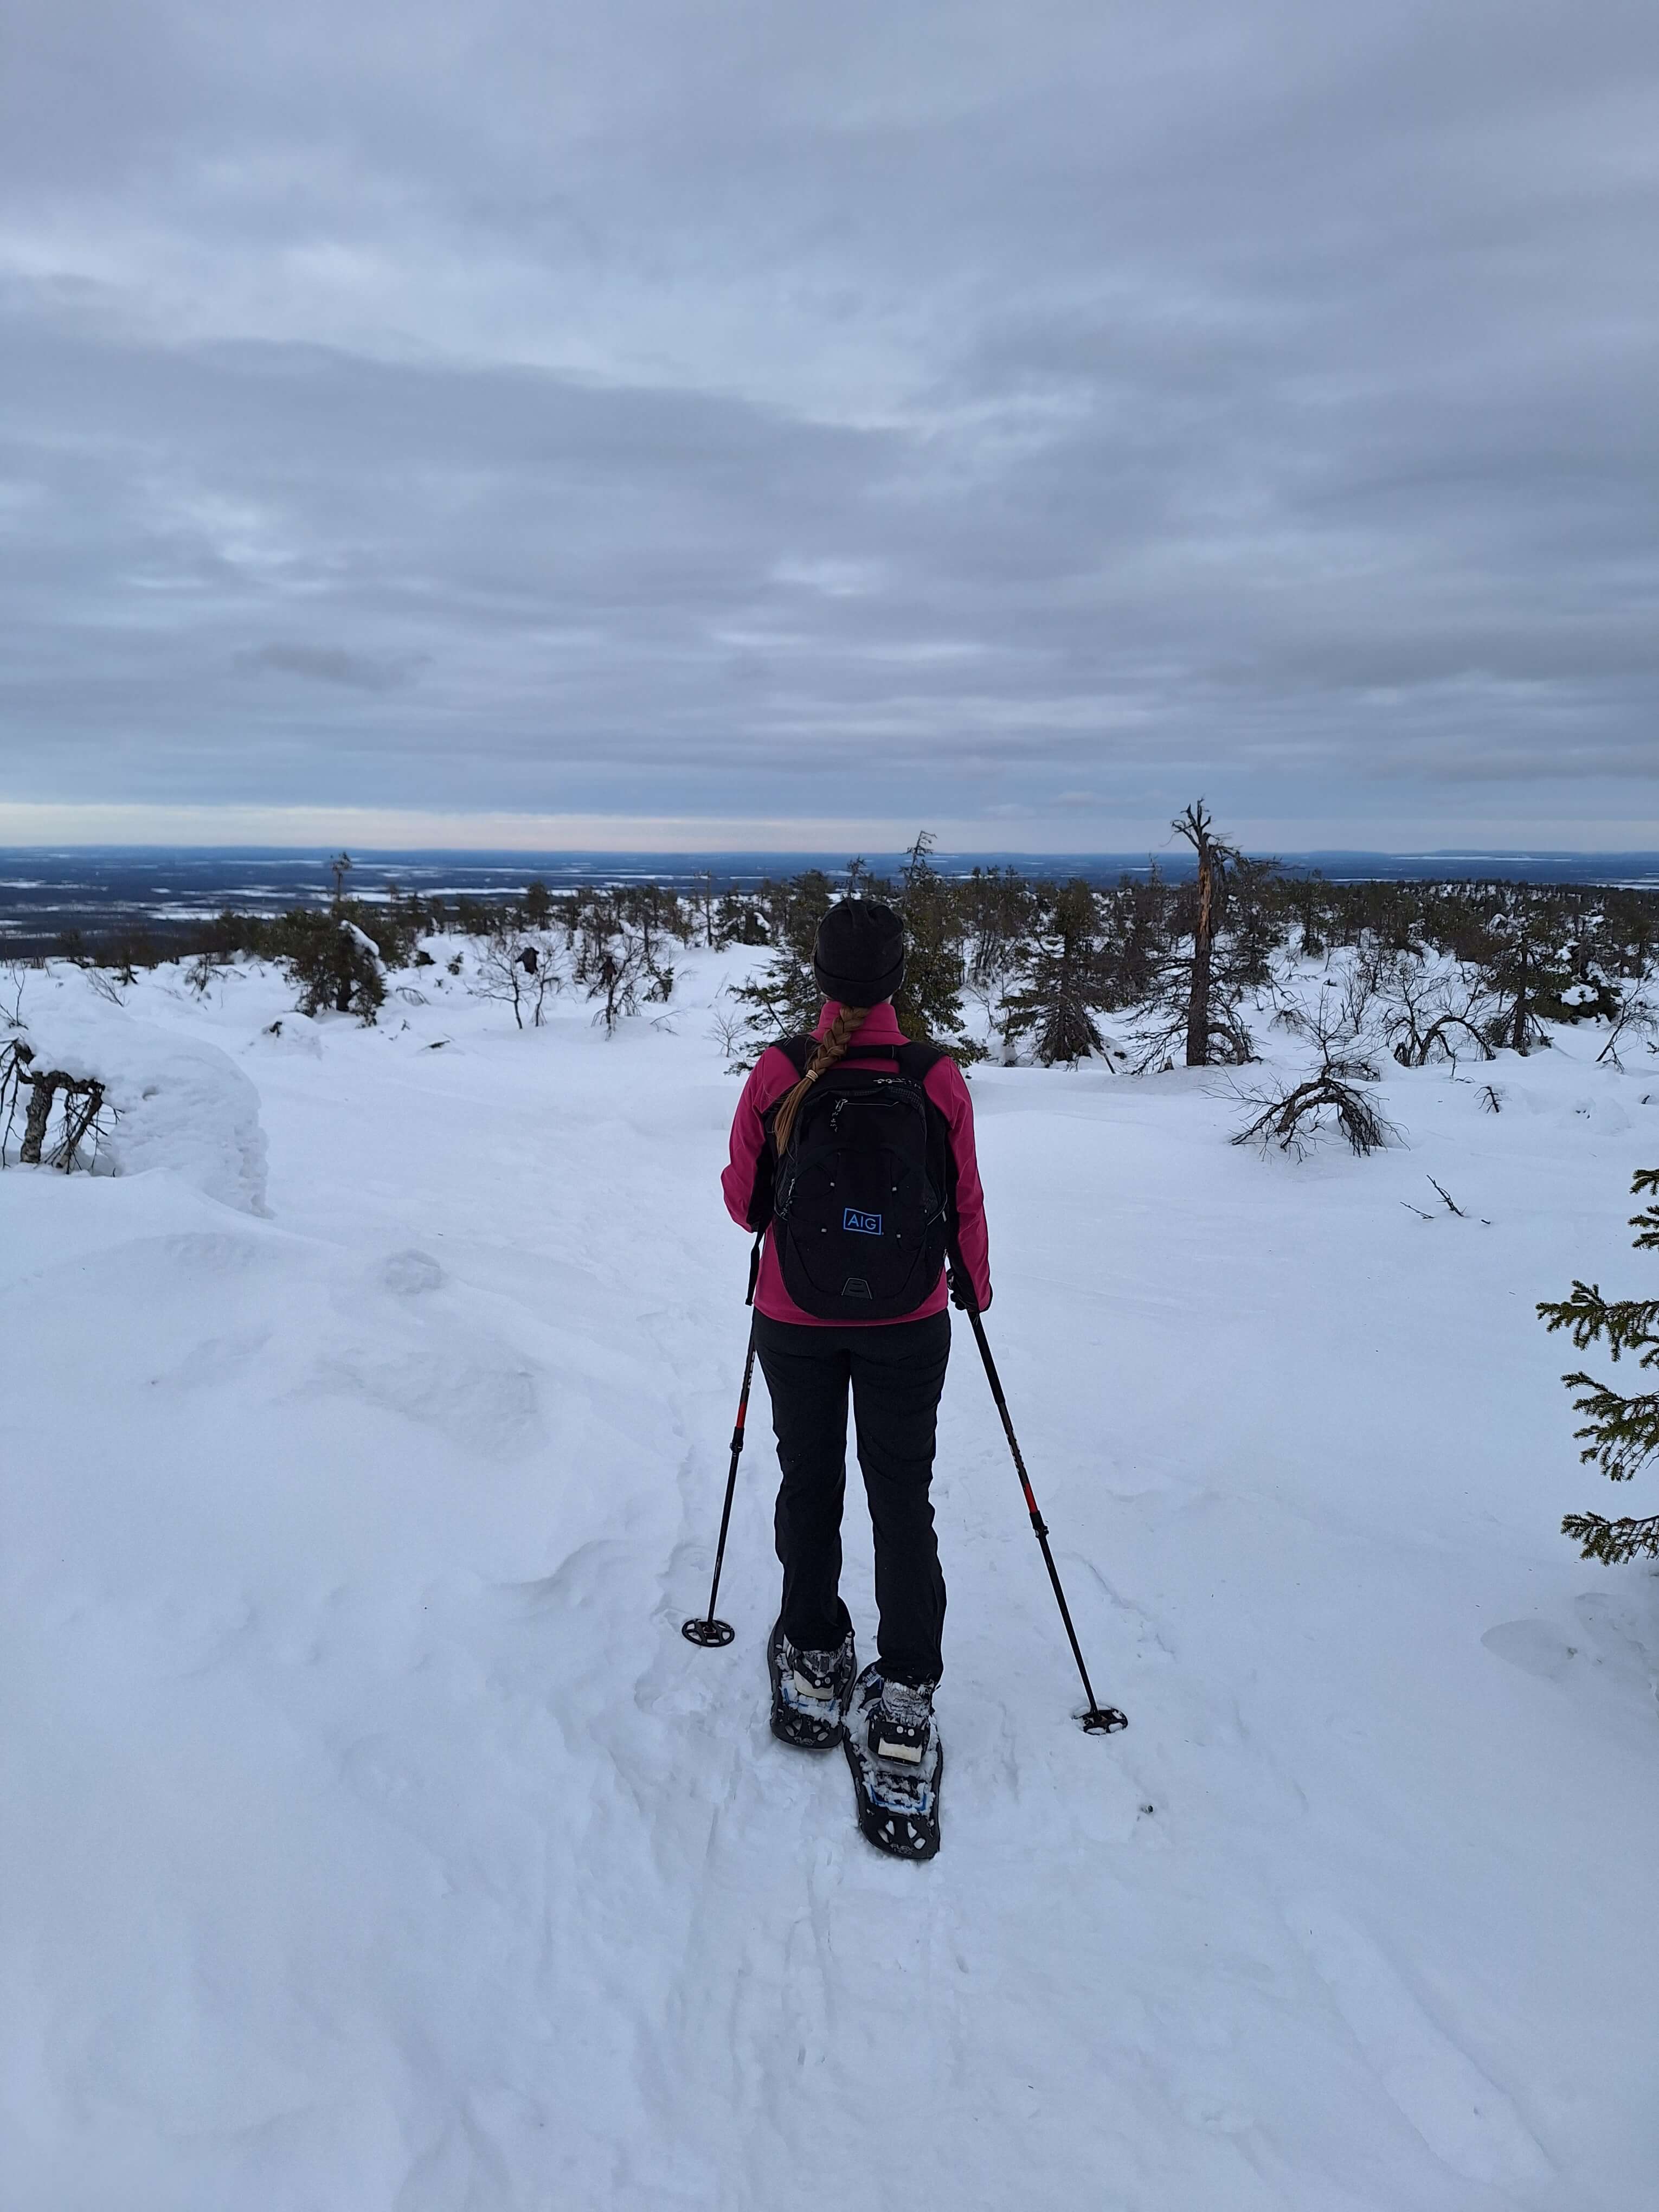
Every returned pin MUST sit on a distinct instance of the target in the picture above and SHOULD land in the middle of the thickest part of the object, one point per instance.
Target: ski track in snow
(379, 1842)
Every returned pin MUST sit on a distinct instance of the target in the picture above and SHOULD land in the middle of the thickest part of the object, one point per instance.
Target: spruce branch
(1624, 1432)
(1620, 1433)
(1623, 1324)
(1612, 1542)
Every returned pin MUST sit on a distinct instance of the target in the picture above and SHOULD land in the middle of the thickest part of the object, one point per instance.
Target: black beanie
(859, 955)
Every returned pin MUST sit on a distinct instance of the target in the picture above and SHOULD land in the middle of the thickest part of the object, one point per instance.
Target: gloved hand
(956, 1282)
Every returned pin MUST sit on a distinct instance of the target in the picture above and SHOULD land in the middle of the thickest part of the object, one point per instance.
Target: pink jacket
(770, 1077)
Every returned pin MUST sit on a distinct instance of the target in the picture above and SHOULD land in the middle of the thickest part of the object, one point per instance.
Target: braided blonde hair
(831, 1047)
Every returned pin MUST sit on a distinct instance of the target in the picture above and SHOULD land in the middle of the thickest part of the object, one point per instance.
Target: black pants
(896, 1373)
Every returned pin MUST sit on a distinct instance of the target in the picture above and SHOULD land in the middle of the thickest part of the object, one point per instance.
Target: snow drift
(180, 1105)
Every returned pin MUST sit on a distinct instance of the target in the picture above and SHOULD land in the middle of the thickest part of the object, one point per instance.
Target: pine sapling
(928, 1003)
(1063, 981)
(1621, 1433)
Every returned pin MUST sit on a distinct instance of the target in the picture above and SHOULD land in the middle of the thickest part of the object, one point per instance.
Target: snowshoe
(809, 1690)
(893, 1747)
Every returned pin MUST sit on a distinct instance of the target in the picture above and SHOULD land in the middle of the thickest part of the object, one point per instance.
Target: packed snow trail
(376, 1841)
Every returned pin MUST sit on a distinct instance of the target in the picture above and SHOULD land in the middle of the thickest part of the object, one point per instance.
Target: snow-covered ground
(373, 1839)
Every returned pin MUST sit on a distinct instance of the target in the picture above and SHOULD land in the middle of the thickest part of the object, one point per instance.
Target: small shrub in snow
(1292, 1117)
(619, 975)
(519, 969)
(1635, 1023)
(1620, 1433)
(1337, 1095)
(1428, 1017)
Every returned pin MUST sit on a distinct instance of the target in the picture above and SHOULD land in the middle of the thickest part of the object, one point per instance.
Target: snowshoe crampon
(897, 1798)
(809, 1691)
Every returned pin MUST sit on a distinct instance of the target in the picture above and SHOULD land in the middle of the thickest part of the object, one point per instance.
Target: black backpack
(861, 1201)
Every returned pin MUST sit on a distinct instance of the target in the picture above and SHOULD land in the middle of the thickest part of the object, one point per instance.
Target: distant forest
(1452, 966)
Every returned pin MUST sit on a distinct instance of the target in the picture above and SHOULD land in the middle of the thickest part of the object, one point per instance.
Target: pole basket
(711, 1634)
(1099, 1720)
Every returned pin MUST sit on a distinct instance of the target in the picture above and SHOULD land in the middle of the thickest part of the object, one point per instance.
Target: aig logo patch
(867, 1224)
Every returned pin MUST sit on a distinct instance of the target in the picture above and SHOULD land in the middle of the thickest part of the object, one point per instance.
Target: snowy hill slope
(375, 1840)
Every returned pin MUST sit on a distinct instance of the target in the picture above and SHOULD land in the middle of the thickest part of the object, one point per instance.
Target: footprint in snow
(1532, 1645)
(409, 1273)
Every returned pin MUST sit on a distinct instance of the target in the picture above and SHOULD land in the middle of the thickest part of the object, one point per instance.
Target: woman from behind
(854, 1149)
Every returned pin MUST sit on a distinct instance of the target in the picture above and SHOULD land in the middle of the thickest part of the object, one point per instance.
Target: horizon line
(781, 852)
(141, 825)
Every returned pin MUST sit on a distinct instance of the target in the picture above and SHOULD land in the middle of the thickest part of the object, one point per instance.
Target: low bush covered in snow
(167, 1102)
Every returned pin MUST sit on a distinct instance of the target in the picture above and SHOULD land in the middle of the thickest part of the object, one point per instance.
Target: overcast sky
(665, 421)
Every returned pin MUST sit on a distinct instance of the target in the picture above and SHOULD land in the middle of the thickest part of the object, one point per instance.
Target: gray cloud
(739, 410)
(328, 664)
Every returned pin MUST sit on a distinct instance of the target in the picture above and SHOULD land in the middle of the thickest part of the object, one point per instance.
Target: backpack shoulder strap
(919, 1061)
(797, 1051)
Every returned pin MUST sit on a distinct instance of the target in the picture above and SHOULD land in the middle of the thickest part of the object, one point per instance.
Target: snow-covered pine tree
(1064, 981)
(1525, 971)
(737, 920)
(332, 961)
(1620, 1433)
(928, 1005)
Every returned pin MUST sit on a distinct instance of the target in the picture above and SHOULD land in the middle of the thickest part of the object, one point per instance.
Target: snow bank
(181, 1104)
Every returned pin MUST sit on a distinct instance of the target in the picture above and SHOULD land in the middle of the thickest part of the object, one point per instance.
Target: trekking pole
(710, 1632)
(1098, 1719)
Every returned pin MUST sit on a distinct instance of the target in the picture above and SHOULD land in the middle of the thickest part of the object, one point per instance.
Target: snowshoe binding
(809, 1690)
(893, 1747)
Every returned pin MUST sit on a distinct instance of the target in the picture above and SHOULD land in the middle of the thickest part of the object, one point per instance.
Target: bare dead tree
(1195, 825)
(1193, 1005)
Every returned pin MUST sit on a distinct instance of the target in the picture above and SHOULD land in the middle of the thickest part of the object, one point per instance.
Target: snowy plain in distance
(374, 1840)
